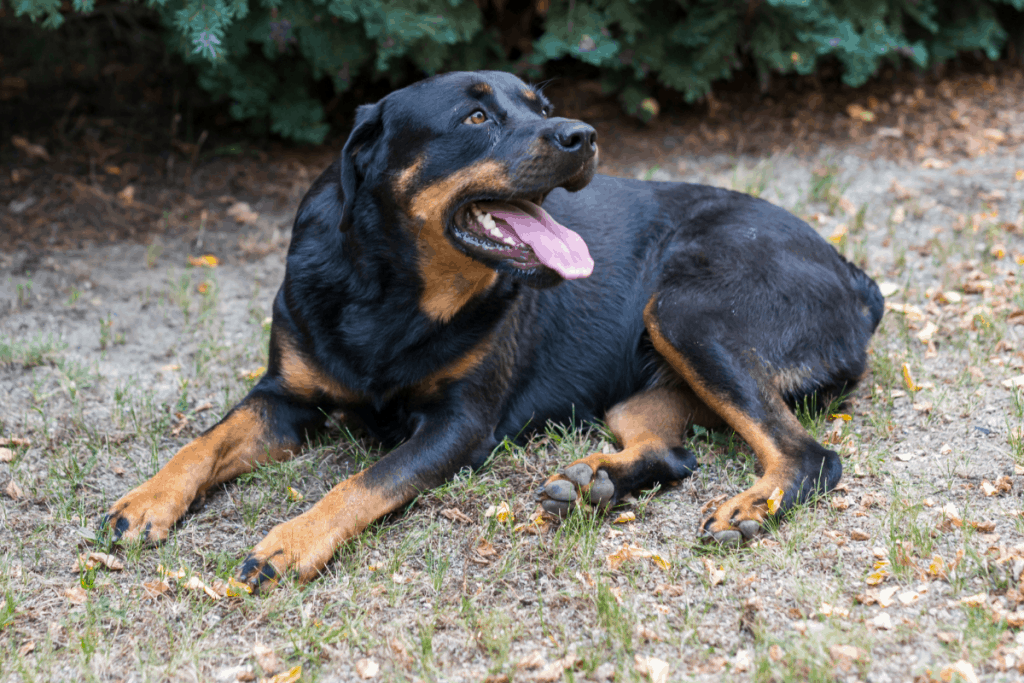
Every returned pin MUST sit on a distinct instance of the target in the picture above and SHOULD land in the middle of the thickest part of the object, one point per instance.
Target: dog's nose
(575, 136)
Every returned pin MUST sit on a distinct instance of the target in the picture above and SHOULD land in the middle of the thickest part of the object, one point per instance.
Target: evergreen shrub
(278, 61)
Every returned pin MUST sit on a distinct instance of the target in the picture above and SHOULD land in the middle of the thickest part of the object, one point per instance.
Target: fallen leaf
(34, 151)
(849, 652)
(742, 662)
(197, 584)
(859, 535)
(205, 261)
(237, 588)
(1014, 382)
(629, 552)
(932, 162)
(922, 406)
(26, 648)
(775, 500)
(266, 659)
(76, 595)
(715, 574)
(927, 332)
(502, 512)
(885, 596)
(6, 454)
(127, 195)
(242, 213)
(534, 660)
(652, 667)
(908, 379)
(14, 491)
(888, 288)
(290, 676)
(962, 668)
(294, 496)
(776, 653)
(977, 600)
(908, 597)
(89, 561)
(486, 549)
(15, 441)
(456, 515)
(624, 518)
(645, 633)
(366, 668)
(883, 621)
(156, 588)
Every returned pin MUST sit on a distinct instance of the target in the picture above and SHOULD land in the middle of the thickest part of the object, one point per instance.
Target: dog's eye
(476, 117)
(545, 111)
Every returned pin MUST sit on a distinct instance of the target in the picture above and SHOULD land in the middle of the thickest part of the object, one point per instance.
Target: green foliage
(274, 59)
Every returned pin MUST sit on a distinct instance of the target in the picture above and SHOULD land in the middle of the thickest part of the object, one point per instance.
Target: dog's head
(463, 162)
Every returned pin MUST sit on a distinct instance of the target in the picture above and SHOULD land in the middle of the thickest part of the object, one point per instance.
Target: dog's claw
(749, 528)
(560, 490)
(257, 573)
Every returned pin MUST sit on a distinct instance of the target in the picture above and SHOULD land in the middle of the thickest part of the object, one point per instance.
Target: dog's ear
(357, 156)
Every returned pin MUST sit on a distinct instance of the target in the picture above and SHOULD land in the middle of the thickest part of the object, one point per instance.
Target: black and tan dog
(429, 295)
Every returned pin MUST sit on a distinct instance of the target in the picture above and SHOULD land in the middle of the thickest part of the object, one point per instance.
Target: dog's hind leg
(649, 426)
(745, 393)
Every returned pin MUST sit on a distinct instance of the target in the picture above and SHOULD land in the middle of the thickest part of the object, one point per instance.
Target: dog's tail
(870, 295)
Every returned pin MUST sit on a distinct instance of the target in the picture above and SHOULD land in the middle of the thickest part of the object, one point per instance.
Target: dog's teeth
(509, 241)
(495, 232)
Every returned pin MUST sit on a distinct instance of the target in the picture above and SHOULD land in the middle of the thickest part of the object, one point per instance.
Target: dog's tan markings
(529, 94)
(303, 379)
(480, 89)
(791, 380)
(237, 444)
(305, 544)
(450, 278)
(649, 426)
(777, 467)
(456, 370)
(404, 180)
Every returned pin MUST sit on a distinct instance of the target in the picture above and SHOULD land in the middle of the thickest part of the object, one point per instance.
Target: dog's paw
(562, 491)
(738, 519)
(146, 513)
(300, 547)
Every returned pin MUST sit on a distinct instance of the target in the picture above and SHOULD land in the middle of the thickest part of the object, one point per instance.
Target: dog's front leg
(267, 425)
(441, 445)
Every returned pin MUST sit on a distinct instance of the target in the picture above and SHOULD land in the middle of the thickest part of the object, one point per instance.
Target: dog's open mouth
(524, 235)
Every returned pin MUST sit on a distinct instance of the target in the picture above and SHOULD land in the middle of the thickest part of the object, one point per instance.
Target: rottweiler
(460, 275)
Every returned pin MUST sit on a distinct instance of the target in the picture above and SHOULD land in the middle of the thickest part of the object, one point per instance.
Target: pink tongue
(555, 245)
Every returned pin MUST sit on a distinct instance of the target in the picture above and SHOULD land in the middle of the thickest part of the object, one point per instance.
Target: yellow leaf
(294, 496)
(237, 588)
(775, 500)
(1019, 175)
(908, 379)
(290, 676)
(207, 261)
(504, 513)
(840, 416)
(624, 518)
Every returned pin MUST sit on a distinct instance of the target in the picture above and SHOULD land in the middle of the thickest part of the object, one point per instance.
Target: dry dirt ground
(113, 356)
